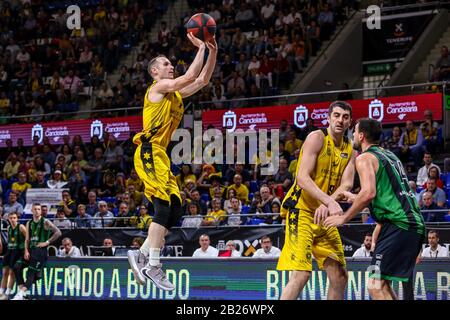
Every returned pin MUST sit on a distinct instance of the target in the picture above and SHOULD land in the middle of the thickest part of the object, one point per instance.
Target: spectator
(284, 131)
(205, 250)
(103, 218)
(11, 167)
(264, 205)
(57, 181)
(413, 187)
(113, 155)
(123, 217)
(83, 219)
(411, 143)
(292, 143)
(137, 242)
(429, 131)
(134, 180)
(240, 188)
(231, 245)
(434, 250)
(108, 243)
(234, 216)
(185, 175)
(68, 205)
(20, 187)
(68, 250)
(95, 167)
(144, 219)
(217, 215)
(92, 207)
(293, 164)
(267, 250)
(429, 204)
(422, 174)
(195, 196)
(283, 178)
(365, 250)
(44, 210)
(438, 194)
(61, 220)
(193, 218)
(442, 66)
(12, 206)
(433, 172)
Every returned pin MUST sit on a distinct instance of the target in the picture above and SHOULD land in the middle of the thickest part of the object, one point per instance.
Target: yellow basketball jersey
(161, 119)
(330, 166)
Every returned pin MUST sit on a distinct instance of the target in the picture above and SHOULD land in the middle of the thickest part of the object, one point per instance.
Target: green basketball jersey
(394, 201)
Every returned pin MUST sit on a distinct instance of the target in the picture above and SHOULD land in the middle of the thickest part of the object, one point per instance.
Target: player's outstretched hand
(334, 208)
(321, 214)
(334, 221)
(195, 41)
(212, 44)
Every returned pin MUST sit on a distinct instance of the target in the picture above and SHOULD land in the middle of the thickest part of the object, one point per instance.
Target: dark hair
(368, 235)
(435, 232)
(265, 237)
(371, 129)
(341, 104)
(427, 152)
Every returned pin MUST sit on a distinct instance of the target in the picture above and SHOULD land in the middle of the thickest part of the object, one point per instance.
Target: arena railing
(247, 215)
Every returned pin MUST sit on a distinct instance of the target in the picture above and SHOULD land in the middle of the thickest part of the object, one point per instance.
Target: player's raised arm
(207, 71)
(311, 149)
(166, 84)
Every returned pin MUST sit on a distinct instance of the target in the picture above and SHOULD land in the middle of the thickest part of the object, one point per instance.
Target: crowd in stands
(44, 66)
(102, 189)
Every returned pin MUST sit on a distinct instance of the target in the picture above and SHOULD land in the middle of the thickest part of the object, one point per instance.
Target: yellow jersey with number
(330, 165)
(161, 119)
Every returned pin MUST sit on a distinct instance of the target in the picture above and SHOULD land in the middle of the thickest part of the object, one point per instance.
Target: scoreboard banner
(233, 279)
(388, 110)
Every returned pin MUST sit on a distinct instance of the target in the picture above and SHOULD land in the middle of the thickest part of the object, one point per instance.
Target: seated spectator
(92, 206)
(438, 194)
(12, 206)
(103, 218)
(185, 175)
(234, 216)
(205, 250)
(136, 197)
(40, 181)
(134, 180)
(68, 204)
(11, 167)
(442, 66)
(231, 245)
(240, 188)
(283, 178)
(276, 208)
(193, 218)
(422, 174)
(195, 197)
(145, 219)
(264, 205)
(61, 220)
(292, 143)
(137, 242)
(123, 217)
(114, 155)
(237, 168)
(293, 164)
(108, 243)
(364, 251)
(433, 172)
(57, 181)
(429, 131)
(391, 142)
(44, 210)
(429, 204)
(20, 187)
(413, 188)
(216, 190)
(267, 250)
(217, 215)
(411, 143)
(68, 250)
(83, 219)
(434, 250)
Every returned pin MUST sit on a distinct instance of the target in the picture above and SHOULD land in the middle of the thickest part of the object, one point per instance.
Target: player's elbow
(369, 195)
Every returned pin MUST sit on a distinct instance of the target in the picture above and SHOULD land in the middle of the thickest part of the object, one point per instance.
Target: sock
(154, 256)
(145, 248)
(2, 291)
(8, 292)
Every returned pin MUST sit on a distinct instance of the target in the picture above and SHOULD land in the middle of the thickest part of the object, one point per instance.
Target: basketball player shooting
(163, 111)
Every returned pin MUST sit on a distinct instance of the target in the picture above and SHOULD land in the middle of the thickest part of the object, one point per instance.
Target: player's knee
(300, 276)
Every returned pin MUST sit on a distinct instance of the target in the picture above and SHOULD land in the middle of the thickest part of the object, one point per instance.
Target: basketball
(202, 25)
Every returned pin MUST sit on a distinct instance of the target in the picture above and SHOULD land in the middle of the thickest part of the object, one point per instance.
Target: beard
(357, 146)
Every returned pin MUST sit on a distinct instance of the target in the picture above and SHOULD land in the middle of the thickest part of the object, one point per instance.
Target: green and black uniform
(16, 246)
(38, 256)
(403, 227)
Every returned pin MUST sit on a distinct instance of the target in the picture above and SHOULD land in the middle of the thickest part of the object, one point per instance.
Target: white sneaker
(19, 296)
(3, 296)
(137, 261)
(158, 276)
